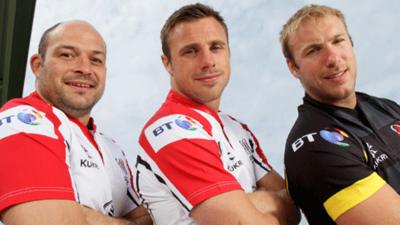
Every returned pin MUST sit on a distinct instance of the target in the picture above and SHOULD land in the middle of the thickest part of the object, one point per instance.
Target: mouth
(79, 84)
(209, 78)
(336, 75)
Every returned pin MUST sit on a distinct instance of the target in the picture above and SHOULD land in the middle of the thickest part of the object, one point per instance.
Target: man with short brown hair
(197, 164)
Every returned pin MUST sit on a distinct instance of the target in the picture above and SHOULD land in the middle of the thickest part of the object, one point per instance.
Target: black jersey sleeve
(326, 170)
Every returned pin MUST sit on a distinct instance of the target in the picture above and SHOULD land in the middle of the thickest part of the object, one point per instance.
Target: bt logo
(6, 120)
(31, 118)
(183, 122)
(159, 130)
(300, 142)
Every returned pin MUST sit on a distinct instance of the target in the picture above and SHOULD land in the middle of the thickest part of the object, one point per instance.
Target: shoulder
(22, 117)
(309, 123)
(316, 140)
(378, 103)
(171, 124)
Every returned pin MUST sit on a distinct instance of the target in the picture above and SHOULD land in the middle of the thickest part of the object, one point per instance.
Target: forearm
(277, 204)
(94, 217)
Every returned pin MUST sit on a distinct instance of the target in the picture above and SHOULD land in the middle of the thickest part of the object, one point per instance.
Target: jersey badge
(30, 116)
(396, 127)
(173, 128)
(335, 136)
(187, 123)
(25, 119)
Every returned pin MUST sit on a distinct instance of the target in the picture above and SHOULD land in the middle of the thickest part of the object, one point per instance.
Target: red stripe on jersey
(194, 167)
(85, 130)
(259, 151)
(32, 170)
(175, 98)
(33, 166)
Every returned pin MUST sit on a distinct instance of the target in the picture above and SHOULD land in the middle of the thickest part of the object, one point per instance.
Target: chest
(100, 177)
(237, 149)
(382, 149)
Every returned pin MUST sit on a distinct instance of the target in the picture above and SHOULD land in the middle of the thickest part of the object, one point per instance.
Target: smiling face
(324, 61)
(71, 76)
(199, 63)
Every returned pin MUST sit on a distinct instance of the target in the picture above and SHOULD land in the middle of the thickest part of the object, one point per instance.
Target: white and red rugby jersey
(46, 155)
(190, 153)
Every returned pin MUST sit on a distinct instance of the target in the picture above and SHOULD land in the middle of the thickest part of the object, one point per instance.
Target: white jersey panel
(25, 119)
(237, 160)
(91, 174)
(159, 134)
(167, 205)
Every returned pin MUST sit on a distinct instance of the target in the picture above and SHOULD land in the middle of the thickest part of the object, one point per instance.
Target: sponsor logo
(230, 155)
(87, 152)
(109, 208)
(335, 137)
(300, 142)
(88, 164)
(396, 127)
(377, 159)
(235, 165)
(32, 117)
(186, 123)
(6, 120)
(159, 130)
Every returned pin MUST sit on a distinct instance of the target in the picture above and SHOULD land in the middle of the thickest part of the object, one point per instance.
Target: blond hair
(306, 13)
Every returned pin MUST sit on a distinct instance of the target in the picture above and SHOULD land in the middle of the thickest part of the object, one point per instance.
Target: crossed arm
(270, 204)
(382, 208)
(66, 212)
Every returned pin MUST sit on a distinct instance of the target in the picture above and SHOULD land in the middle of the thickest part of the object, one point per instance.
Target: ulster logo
(396, 127)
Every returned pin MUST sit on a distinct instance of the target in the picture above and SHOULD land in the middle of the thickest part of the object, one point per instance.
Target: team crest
(396, 127)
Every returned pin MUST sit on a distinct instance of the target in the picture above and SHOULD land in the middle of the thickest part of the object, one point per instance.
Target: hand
(94, 217)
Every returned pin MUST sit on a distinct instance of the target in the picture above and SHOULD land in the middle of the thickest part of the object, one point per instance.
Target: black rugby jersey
(336, 157)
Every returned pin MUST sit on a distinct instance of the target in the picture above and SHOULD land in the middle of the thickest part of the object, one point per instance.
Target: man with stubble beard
(55, 166)
(342, 155)
(198, 165)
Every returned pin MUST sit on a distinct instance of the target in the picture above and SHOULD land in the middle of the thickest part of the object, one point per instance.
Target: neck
(82, 116)
(84, 119)
(349, 102)
(214, 105)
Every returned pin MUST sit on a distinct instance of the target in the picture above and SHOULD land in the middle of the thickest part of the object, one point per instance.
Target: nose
(207, 59)
(84, 66)
(331, 56)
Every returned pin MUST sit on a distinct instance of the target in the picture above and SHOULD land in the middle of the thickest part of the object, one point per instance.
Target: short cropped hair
(306, 13)
(188, 13)
(43, 43)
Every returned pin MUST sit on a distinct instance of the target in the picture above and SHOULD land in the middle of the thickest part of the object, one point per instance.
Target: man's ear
(36, 62)
(293, 68)
(167, 64)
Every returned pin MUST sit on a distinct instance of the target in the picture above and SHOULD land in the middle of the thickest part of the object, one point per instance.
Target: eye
(216, 47)
(97, 61)
(66, 55)
(189, 51)
(311, 51)
(338, 40)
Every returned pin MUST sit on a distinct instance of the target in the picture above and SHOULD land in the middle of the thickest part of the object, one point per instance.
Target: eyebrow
(70, 47)
(219, 42)
(194, 45)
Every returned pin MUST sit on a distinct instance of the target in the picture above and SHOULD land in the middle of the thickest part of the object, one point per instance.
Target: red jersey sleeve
(33, 162)
(187, 157)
